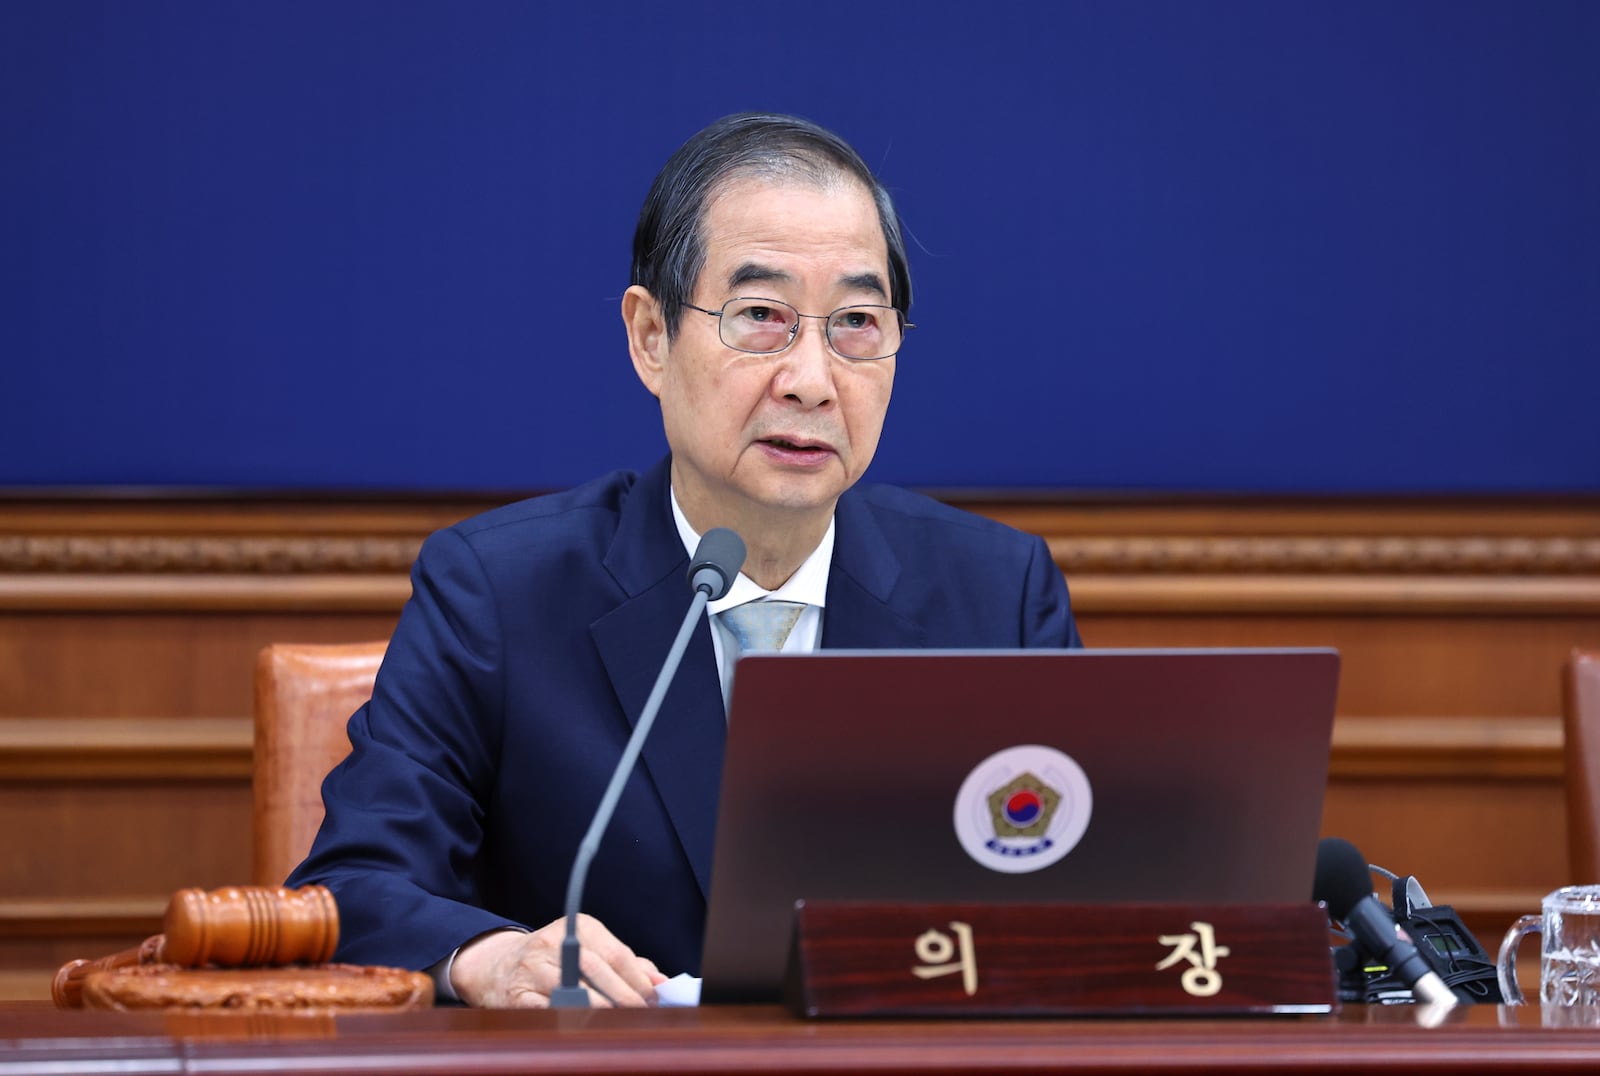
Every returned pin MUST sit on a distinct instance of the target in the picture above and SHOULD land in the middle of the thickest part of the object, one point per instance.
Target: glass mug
(1569, 964)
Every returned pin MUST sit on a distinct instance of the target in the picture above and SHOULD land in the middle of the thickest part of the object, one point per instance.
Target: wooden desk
(35, 1039)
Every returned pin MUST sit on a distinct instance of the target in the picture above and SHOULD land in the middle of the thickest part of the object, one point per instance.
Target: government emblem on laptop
(1023, 809)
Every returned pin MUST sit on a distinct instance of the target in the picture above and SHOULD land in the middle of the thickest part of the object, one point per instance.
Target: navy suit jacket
(519, 666)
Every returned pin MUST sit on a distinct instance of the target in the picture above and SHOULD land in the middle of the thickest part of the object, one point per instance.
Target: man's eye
(762, 314)
(856, 320)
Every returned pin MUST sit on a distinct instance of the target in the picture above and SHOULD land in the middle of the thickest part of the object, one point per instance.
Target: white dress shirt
(808, 585)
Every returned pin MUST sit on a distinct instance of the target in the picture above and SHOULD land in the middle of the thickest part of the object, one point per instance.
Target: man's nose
(805, 374)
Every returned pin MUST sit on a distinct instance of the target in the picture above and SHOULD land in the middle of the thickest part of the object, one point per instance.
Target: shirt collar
(809, 583)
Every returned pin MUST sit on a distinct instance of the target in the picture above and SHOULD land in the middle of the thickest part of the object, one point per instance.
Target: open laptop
(1027, 775)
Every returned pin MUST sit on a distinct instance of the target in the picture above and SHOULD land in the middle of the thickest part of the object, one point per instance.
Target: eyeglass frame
(794, 333)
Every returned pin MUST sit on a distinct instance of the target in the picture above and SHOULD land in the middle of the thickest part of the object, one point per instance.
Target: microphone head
(716, 562)
(1342, 876)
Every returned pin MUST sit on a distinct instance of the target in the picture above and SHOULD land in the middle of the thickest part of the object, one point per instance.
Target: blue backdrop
(1256, 245)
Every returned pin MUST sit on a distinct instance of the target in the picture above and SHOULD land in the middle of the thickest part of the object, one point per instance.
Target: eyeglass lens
(766, 325)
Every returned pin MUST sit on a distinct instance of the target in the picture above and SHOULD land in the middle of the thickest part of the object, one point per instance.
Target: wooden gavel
(234, 927)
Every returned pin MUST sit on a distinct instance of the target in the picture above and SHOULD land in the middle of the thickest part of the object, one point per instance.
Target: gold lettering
(936, 949)
(1201, 979)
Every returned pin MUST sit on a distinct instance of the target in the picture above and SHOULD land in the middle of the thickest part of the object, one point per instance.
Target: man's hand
(508, 970)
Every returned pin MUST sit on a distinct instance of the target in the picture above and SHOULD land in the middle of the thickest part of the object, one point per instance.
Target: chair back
(304, 696)
(1581, 723)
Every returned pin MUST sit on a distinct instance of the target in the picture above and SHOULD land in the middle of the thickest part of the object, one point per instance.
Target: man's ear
(647, 336)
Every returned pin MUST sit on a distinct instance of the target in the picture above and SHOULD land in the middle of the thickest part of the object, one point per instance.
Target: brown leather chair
(1581, 724)
(305, 695)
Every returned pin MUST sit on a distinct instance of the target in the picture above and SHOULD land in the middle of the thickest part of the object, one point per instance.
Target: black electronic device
(1442, 940)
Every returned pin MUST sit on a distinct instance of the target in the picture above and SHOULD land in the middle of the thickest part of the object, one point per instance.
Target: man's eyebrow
(754, 272)
(751, 272)
(865, 282)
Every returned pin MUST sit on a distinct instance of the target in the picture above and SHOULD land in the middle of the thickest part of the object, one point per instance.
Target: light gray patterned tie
(762, 625)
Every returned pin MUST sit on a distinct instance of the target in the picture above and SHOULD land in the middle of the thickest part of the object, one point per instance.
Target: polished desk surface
(37, 1039)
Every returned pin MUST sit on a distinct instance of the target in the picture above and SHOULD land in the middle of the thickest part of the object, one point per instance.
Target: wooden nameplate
(873, 959)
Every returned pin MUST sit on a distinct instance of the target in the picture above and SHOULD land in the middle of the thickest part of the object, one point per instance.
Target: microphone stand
(709, 580)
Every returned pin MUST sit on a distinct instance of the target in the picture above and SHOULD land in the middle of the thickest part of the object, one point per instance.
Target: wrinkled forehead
(749, 212)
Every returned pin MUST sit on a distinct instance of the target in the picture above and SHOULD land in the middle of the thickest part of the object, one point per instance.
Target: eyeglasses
(767, 326)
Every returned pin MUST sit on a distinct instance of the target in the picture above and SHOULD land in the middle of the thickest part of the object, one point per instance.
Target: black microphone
(712, 570)
(1344, 883)
(716, 562)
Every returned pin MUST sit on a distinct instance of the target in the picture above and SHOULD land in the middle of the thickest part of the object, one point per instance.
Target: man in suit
(767, 308)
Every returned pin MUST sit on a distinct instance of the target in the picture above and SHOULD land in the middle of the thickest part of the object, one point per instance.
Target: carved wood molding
(211, 555)
(159, 750)
(1170, 594)
(1155, 594)
(1447, 748)
(134, 593)
(1336, 554)
(1076, 554)
(1330, 595)
(219, 748)
(1183, 556)
(74, 917)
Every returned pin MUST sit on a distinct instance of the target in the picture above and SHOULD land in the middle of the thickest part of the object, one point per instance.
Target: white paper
(678, 992)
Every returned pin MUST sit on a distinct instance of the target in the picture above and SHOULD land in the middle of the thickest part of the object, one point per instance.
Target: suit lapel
(683, 756)
(861, 584)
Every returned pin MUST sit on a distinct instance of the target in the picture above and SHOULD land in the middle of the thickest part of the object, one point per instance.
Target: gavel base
(314, 989)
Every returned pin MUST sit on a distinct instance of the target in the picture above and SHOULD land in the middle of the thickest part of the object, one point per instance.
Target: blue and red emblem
(1022, 808)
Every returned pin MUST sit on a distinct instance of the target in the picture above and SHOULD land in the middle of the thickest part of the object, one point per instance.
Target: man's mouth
(795, 446)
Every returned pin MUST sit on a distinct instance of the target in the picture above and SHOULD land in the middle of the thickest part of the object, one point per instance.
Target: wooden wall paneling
(1399, 664)
(104, 818)
(122, 839)
(128, 628)
(127, 634)
(153, 664)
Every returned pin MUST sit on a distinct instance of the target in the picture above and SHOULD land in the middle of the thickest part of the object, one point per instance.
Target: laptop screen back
(1082, 775)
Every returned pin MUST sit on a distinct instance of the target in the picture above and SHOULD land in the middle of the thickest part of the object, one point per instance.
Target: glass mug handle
(1507, 964)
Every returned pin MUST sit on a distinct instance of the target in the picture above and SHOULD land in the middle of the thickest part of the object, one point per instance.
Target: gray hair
(669, 247)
